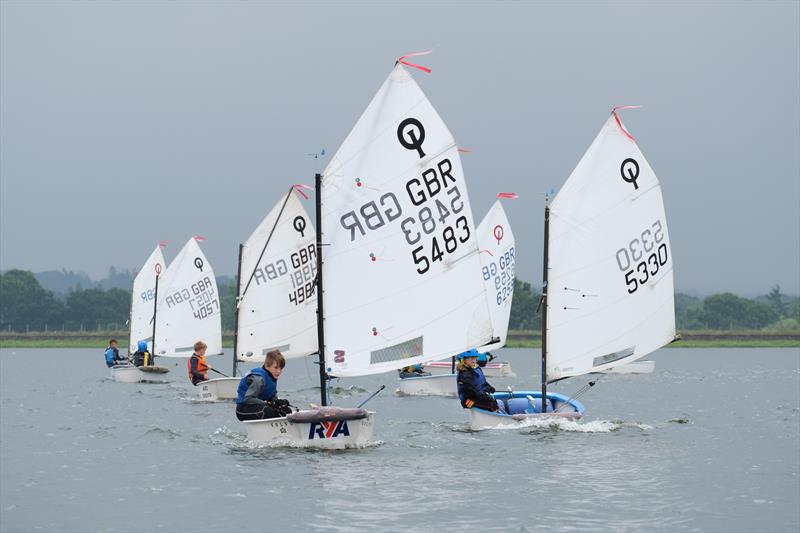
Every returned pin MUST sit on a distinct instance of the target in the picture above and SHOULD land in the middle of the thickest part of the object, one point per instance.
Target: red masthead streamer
(509, 195)
(616, 117)
(163, 244)
(298, 187)
(415, 54)
(199, 238)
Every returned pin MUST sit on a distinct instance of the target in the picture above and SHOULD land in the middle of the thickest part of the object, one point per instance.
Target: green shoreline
(516, 339)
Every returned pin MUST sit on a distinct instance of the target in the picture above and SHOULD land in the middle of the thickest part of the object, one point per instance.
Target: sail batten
(610, 288)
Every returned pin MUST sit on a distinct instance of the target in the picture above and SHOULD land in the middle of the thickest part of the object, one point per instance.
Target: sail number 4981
(642, 258)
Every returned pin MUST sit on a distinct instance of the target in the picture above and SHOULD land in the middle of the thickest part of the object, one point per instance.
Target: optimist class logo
(498, 233)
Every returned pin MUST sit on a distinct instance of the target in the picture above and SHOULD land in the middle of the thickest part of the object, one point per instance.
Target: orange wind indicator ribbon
(619, 123)
(415, 54)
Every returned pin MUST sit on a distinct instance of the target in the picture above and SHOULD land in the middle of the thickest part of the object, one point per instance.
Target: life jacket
(201, 367)
(269, 391)
(480, 383)
(110, 361)
(142, 359)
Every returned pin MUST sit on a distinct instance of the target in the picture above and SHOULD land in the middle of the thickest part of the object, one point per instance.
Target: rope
(580, 392)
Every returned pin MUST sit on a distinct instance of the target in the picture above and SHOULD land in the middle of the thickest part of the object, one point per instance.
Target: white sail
(188, 305)
(400, 261)
(496, 242)
(143, 300)
(279, 303)
(610, 288)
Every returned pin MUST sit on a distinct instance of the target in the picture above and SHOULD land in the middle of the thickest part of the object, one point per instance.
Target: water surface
(709, 442)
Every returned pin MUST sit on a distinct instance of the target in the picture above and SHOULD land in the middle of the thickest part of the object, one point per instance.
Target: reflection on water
(707, 442)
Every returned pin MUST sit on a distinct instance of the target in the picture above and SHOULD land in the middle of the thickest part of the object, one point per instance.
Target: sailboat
(396, 259)
(187, 306)
(607, 295)
(276, 300)
(496, 243)
(142, 315)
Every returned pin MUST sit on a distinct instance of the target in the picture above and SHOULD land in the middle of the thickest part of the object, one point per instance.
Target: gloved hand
(491, 389)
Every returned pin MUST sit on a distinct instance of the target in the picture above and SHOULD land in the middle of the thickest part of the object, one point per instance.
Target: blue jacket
(112, 356)
(249, 384)
(473, 387)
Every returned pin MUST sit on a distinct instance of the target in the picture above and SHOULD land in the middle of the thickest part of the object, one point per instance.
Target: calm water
(709, 442)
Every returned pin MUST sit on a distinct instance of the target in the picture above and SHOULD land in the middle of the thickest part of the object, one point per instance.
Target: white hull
(636, 367)
(126, 374)
(327, 435)
(218, 389)
(132, 374)
(440, 385)
(491, 370)
(479, 419)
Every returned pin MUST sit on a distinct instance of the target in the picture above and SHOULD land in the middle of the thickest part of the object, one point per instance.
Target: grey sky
(127, 123)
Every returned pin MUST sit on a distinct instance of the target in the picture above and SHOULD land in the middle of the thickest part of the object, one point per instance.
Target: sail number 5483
(641, 260)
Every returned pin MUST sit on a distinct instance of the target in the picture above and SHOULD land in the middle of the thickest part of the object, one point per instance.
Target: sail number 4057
(641, 260)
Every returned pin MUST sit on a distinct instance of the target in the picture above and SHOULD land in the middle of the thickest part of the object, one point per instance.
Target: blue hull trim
(572, 406)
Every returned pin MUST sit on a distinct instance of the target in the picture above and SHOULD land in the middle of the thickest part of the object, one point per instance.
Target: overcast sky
(124, 124)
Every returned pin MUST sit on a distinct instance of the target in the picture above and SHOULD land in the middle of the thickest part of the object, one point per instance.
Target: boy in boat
(142, 357)
(112, 354)
(197, 366)
(413, 371)
(473, 389)
(257, 396)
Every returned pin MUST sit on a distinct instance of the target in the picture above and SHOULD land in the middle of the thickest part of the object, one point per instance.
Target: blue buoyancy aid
(267, 393)
(112, 355)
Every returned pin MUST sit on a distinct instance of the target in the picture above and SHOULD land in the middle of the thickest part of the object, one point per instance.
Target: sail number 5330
(642, 258)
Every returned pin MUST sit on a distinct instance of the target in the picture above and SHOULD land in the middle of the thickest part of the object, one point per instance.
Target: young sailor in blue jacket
(473, 389)
(112, 354)
(257, 396)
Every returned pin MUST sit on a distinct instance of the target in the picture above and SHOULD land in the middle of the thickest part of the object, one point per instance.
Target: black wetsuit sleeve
(471, 392)
(256, 385)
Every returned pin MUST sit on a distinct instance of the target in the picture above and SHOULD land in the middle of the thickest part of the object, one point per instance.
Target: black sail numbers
(435, 224)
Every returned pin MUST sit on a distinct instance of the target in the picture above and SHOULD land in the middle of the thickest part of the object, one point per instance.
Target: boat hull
(218, 389)
(440, 385)
(563, 408)
(325, 435)
(491, 370)
(134, 374)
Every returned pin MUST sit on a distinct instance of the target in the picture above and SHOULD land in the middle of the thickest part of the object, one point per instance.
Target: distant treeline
(27, 306)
